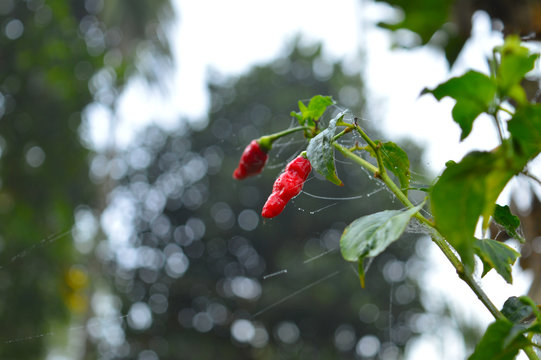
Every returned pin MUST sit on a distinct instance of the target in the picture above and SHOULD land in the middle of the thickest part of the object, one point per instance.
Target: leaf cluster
(467, 191)
(309, 115)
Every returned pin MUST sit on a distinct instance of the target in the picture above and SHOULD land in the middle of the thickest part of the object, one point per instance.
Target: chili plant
(460, 199)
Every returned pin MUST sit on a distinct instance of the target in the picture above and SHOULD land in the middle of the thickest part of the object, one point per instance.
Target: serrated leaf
(496, 255)
(372, 234)
(495, 344)
(396, 161)
(320, 152)
(503, 216)
(315, 109)
(468, 190)
(473, 92)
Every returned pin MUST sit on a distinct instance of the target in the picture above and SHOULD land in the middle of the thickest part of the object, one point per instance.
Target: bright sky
(231, 36)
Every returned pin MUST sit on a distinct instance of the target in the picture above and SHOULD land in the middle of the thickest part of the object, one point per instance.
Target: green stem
(375, 148)
(365, 137)
(530, 352)
(498, 126)
(440, 241)
(267, 140)
(359, 160)
(435, 235)
(505, 110)
(340, 134)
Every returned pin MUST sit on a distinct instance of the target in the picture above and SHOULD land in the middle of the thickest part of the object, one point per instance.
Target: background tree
(57, 57)
(194, 271)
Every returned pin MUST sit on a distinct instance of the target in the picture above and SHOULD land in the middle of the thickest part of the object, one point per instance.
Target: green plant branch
(438, 239)
(272, 137)
(374, 146)
(357, 159)
(530, 352)
(445, 247)
(365, 137)
(497, 122)
(499, 127)
(505, 110)
(341, 133)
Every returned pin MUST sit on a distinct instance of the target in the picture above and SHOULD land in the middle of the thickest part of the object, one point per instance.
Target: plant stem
(505, 110)
(440, 241)
(464, 275)
(375, 148)
(435, 235)
(530, 352)
(498, 126)
(341, 133)
(365, 137)
(267, 140)
(359, 160)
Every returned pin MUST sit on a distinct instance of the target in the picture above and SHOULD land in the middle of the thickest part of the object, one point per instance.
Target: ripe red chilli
(252, 161)
(288, 185)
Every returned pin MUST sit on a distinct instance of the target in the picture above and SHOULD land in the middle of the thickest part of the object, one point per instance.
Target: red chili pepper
(287, 186)
(252, 161)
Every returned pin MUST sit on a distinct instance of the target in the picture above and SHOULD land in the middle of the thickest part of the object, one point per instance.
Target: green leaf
(517, 310)
(496, 345)
(299, 115)
(505, 337)
(425, 18)
(372, 234)
(468, 190)
(516, 61)
(523, 312)
(395, 160)
(525, 129)
(503, 216)
(496, 255)
(320, 152)
(316, 107)
(473, 92)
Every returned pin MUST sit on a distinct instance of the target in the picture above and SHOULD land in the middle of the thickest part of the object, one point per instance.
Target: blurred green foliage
(51, 54)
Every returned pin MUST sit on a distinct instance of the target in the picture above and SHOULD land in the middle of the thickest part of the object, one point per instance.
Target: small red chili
(252, 161)
(288, 185)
